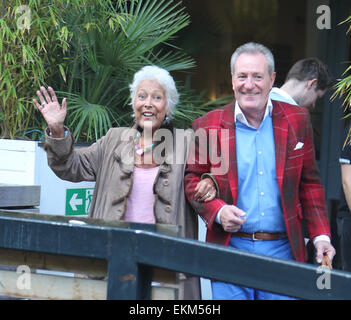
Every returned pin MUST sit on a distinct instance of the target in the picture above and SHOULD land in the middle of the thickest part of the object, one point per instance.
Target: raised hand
(53, 113)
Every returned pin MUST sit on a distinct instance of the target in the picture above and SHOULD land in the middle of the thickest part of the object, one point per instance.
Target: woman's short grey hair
(253, 48)
(163, 77)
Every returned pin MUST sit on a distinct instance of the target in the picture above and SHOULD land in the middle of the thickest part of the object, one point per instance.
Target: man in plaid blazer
(268, 181)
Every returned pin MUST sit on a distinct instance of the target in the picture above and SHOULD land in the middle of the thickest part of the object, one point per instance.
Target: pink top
(140, 205)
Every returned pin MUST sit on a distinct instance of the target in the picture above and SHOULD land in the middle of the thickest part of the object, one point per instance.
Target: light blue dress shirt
(258, 191)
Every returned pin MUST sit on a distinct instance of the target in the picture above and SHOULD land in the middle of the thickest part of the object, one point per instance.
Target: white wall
(25, 163)
(17, 160)
(53, 189)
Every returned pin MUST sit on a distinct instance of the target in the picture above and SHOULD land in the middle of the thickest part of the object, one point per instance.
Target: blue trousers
(276, 248)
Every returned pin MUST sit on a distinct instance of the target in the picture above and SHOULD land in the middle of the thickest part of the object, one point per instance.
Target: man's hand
(205, 190)
(324, 247)
(232, 218)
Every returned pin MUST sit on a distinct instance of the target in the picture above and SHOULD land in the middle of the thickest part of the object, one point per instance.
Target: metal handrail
(132, 252)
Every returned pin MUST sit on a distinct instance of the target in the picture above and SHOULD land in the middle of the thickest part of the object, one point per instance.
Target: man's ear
(273, 76)
(233, 82)
(312, 83)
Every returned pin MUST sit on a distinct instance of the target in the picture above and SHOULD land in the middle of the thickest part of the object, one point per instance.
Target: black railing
(131, 253)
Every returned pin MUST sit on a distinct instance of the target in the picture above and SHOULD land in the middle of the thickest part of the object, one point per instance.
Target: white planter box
(25, 163)
(17, 161)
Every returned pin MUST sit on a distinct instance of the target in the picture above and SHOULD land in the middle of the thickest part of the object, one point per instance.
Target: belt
(261, 235)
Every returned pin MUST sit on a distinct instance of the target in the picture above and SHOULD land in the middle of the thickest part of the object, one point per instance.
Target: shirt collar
(284, 94)
(239, 115)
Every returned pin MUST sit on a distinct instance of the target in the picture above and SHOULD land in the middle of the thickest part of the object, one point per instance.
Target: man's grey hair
(163, 77)
(253, 48)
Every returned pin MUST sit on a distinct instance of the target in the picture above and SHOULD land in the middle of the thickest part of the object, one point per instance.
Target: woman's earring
(167, 119)
(133, 118)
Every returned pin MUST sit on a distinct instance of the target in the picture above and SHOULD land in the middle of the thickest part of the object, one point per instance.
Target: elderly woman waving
(135, 181)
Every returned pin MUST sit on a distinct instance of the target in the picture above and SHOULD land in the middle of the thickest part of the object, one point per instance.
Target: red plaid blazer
(301, 191)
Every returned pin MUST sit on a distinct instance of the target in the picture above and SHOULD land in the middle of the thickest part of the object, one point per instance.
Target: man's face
(252, 82)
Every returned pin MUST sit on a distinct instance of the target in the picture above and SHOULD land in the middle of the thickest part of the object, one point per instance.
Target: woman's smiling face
(150, 104)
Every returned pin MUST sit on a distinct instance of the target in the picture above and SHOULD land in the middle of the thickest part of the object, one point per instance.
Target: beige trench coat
(110, 163)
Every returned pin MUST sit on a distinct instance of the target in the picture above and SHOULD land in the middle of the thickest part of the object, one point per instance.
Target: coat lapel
(280, 129)
(124, 152)
(227, 123)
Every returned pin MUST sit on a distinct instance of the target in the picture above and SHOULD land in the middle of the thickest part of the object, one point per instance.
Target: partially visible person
(306, 82)
(344, 210)
(133, 183)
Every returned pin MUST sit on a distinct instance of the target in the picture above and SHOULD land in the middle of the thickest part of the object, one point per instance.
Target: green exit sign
(78, 201)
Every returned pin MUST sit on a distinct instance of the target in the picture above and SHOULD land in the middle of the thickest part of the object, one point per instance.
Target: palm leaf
(92, 119)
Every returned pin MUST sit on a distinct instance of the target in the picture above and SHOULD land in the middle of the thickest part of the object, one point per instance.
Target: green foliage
(24, 62)
(343, 86)
(88, 51)
(343, 89)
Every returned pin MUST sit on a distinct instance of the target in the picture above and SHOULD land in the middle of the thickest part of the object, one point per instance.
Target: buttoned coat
(302, 194)
(110, 163)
